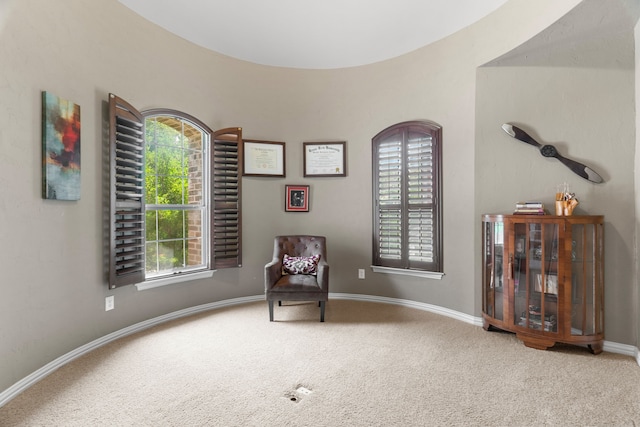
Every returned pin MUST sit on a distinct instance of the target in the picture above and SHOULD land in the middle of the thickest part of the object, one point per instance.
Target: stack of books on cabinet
(535, 320)
(529, 208)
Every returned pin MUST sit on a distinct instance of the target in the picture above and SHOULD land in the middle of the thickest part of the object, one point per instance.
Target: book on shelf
(529, 212)
(535, 320)
(529, 208)
(529, 205)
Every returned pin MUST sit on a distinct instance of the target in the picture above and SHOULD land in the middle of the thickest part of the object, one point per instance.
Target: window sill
(404, 272)
(178, 278)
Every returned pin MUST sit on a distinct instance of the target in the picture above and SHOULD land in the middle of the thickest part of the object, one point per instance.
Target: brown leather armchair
(297, 287)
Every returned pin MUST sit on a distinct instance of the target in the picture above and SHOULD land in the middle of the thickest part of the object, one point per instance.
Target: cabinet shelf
(536, 324)
(552, 281)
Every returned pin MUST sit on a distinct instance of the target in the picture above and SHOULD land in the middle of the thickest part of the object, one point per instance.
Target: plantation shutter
(389, 201)
(127, 205)
(226, 198)
(406, 183)
(420, 198)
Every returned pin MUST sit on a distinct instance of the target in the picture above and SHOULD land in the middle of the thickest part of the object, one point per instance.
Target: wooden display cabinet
(543, 278)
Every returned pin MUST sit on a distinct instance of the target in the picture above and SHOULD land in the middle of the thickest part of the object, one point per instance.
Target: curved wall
(53, 285)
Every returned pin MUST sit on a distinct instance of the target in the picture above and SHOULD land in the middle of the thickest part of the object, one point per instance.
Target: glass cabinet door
(587, 317)
(536, 276)
(493, 269)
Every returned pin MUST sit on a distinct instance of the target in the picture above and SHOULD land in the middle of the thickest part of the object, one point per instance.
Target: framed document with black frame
(325, 159)
(296, 198)
(263, 158)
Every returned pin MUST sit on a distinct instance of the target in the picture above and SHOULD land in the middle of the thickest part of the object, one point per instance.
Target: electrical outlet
(109, 303)
(361, 273)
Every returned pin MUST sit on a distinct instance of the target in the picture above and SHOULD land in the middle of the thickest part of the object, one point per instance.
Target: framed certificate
(263, 158)
(325, 159)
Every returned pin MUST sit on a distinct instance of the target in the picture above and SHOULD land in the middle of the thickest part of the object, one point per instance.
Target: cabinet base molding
(538, 342)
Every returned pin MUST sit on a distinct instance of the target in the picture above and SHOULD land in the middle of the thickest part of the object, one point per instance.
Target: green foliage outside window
(166, 186)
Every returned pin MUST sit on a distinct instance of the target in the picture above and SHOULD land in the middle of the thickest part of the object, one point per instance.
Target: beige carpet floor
(369, 364)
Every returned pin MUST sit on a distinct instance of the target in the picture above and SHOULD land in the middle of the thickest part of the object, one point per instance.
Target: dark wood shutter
(226, 198)
(407, 225)
(127, 205)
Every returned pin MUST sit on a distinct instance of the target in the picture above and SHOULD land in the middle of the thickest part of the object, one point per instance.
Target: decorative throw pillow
(300, 264)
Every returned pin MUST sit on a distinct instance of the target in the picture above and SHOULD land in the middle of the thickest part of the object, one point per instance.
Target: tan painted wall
(577, 94)
(635, 284)
(53, 288)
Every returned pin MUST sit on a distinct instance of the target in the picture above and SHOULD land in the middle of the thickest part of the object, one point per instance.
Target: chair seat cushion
(297, 282)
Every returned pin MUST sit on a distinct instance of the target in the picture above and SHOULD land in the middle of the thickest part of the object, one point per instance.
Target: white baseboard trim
(52, 366)
(612, 347)
(625, 349)
(31, 379)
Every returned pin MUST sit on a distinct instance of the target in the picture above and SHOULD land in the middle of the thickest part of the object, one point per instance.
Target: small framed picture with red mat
(296, 198)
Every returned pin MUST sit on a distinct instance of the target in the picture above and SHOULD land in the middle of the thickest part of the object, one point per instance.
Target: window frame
(404, 265)
(206, 205)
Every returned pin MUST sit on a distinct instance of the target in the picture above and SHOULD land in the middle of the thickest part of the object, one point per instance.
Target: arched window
(407, 187)
(175, 196)
(176, 188)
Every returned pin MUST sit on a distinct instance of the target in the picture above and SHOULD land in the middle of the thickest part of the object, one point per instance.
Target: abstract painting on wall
(60, 148)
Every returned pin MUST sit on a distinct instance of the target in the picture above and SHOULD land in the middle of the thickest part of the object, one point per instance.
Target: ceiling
(313, 34)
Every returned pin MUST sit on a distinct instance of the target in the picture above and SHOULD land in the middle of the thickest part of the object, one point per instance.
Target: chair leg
(270, 311)
(322, 305)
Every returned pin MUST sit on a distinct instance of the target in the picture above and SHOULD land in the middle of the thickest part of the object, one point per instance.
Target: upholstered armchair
(298, 272)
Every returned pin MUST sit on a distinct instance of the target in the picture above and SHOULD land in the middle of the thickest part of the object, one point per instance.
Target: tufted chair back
(297, 287)
(299, 246)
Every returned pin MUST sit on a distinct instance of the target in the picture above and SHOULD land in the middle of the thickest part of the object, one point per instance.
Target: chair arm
(323, 275)
(272, 273)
